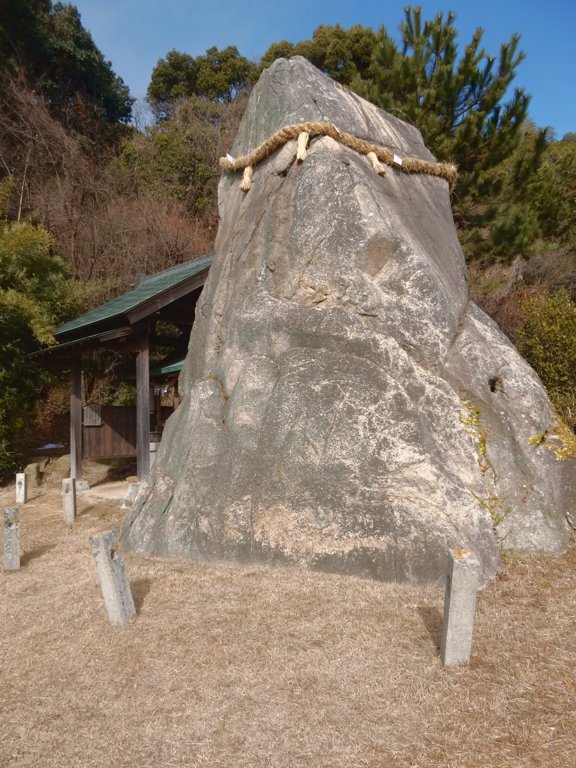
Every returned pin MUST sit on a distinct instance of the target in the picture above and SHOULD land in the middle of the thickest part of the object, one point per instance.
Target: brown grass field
(230, 666)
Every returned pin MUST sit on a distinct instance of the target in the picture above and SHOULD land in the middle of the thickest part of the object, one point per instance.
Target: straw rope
(304, 131)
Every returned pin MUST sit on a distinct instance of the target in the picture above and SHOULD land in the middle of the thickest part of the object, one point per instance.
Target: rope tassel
(246, 182)
(376, 164)
(302, 152)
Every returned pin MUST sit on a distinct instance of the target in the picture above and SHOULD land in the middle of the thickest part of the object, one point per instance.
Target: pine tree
(456, 100)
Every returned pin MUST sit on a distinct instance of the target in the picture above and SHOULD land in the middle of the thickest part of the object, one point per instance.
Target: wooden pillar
(143, 406)
(158, 409)
(76, 420)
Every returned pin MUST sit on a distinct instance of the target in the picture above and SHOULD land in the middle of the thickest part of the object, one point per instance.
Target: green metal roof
(165, 368)
(150, 287)
(168, 368)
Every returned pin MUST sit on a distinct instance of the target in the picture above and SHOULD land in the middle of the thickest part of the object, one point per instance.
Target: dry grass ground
(228, 666)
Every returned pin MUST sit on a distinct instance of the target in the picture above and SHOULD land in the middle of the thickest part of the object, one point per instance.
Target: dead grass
(228, 666)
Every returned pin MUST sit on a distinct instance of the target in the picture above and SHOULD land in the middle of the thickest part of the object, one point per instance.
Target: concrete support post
(69, 500)
(459, 607)
(11, 539)
(21, 488)
(116, 592)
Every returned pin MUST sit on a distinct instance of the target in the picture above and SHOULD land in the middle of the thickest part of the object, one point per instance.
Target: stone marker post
(11, 539)
(21, 488)
(459, 607)
(116, 592)
(69, 499)
(131, 494)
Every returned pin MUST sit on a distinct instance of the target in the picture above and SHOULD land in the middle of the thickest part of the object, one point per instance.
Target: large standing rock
(346, 406)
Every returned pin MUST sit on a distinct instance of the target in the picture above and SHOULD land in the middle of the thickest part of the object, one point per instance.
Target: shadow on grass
(96, 510)
(85, 512)
(27, 557)
(432, 618)
(140, 589)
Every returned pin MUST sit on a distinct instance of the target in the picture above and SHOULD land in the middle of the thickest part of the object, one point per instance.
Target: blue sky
(134, 34)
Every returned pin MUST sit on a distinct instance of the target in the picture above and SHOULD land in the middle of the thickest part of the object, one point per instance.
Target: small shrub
(547, 339)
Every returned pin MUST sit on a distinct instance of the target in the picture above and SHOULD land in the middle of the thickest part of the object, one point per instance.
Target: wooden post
(76, 420)
(143, 406)
(158, 409)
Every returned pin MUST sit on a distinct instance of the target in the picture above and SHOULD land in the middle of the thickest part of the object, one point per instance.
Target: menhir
(346, 406)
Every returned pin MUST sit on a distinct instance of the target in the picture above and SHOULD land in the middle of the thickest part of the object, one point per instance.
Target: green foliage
(30, 281)
(282, 50)
(552, 192)
(223, 75)
(218, 75)
(125, 394)
(547, 340)
(35, 295)
(80, 83)
(495, 212)
(178, 158)
(504, 204)
(165, 162)
(343, 54)
(56, 54)
(531, 240)
(172, 78)
(22, 36)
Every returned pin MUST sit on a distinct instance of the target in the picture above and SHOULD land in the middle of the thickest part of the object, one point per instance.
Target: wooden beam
(143, 406)
(76, 419)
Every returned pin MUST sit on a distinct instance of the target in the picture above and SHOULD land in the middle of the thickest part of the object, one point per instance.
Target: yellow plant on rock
(559, 440)
(470, 418)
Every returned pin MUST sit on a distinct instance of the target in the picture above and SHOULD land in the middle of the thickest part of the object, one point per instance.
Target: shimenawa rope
(303, 131)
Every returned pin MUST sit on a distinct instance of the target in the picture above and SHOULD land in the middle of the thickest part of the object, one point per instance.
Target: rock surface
(346, 407)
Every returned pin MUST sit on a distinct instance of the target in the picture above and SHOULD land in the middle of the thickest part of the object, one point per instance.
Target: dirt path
(248, 667)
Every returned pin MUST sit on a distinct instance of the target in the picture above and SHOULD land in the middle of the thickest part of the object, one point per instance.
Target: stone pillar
(11, 539)
(69, 500)
(459, 607)
(116, 592)
(131, 494)
(21, 488)
(154, 444)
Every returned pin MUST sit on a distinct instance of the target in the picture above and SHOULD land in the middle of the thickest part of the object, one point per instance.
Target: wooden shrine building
(131, 323)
